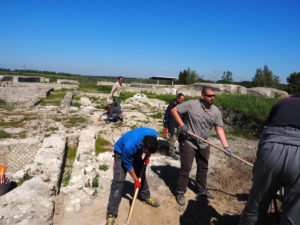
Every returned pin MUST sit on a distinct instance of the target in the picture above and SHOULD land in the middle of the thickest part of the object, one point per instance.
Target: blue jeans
(119, 175)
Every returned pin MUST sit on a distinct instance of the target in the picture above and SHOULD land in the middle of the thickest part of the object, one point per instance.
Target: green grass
(157, 115)
(95, 181)
(252, 106)
(70, 158)
(103, 167)
(18, 122)
(71, 153)
(75, 121)
(4, 134)
(93, 87)
(75, 104)
(102, 145)
(6, 106)
(54, 98)
(126, 95)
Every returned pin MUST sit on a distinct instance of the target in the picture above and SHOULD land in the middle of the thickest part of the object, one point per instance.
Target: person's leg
(202, 157)
(172, 140)
(187, 154)
(267, 175)
(117, 102)
(119, 174)
(138, 165)
(291, 200)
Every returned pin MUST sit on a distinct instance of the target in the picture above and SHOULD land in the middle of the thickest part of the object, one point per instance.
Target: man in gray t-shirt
(198, 116)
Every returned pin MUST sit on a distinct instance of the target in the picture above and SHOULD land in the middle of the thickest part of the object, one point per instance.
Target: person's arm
(176, 116)
(221, 134)
(133, 174)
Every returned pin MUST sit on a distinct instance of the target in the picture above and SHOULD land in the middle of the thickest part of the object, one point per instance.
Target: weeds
(75, 121)
(102, 145)
(95, 181)
(103, 167)
(4, 134)
(71, 154)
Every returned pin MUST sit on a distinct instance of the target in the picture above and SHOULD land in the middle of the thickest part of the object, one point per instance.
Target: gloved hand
(228, 151)
(147, 159)
(166, 130)
(183, 129)
(137, 184)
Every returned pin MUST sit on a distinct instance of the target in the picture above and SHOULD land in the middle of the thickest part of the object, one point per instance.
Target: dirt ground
(229, 180)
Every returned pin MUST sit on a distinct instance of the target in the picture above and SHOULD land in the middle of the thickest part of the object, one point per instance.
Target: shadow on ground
(199, 212)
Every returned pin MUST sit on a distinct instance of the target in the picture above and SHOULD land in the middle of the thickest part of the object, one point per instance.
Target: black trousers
(187, 155)
(119, 175)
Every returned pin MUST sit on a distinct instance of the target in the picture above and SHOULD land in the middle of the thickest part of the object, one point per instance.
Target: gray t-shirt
(199, 120)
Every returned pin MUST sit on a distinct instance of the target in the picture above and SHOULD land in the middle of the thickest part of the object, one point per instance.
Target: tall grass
(252, 106)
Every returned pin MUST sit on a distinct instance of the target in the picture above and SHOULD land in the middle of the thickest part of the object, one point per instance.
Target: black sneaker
(206, 194)
(180, 199)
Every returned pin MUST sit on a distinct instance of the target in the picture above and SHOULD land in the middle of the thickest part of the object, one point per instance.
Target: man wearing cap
(116, 90)
(199, 116)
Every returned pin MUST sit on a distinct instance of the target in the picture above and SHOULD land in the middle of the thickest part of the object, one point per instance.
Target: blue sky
(151, 37)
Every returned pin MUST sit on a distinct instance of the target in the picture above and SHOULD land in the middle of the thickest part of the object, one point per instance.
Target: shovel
(135, 194)
(217, 147)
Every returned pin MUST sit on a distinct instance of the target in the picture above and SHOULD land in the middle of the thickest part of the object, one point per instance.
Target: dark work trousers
(277, 165)
(119, 175)
(187, 155)
(117, 101)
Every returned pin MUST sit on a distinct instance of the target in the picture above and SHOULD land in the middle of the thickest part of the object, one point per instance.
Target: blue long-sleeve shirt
(131, 143)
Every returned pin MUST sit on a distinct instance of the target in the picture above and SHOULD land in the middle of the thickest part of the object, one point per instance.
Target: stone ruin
(194, 89)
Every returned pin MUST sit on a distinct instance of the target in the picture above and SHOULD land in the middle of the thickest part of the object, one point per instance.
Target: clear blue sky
(144, 38)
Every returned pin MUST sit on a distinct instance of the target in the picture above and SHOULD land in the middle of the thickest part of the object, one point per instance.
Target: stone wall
(29, 94)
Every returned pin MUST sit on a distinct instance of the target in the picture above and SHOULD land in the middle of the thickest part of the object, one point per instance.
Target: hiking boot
(150, 201)
(180, 199)
(110, 220)
(174, 156)
(206, 194)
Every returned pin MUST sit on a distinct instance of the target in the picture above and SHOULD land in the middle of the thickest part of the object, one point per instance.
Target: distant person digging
(171, 127)
(113, 113)
(116, 90)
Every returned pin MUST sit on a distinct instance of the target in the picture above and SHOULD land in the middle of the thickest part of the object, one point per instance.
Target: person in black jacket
(277, 165)
(171, 127)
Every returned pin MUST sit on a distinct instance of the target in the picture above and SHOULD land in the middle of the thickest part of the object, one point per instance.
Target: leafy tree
(265, 78)
(294, 82)
(226, 78)
(188, 77)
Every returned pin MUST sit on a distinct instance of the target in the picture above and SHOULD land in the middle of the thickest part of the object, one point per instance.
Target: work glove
(183, 129)
(166, 130)
(147, 159)
(228, 151)
(137, 184)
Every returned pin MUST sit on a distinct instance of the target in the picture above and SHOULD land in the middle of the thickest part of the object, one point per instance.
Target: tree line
(262, 78)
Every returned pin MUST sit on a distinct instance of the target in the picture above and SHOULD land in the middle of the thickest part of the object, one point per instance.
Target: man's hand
(137, 184)
(147, 159)
(228, 151)
(183, 129)
(166, 130)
